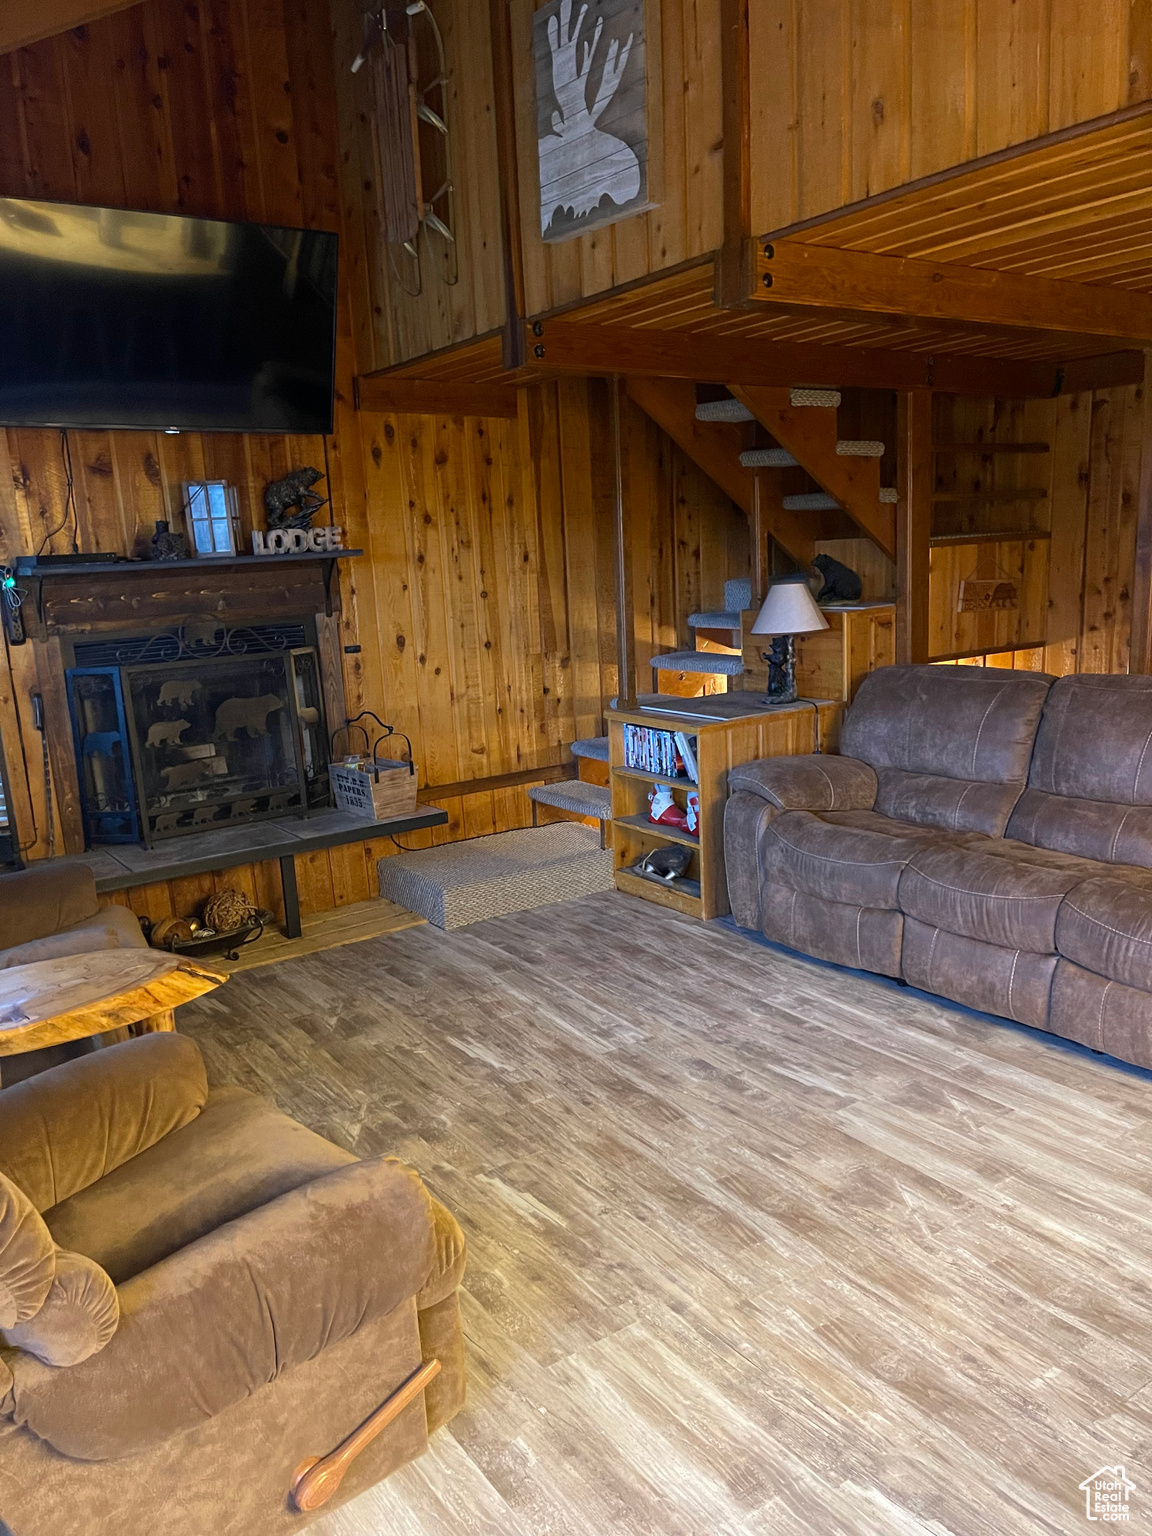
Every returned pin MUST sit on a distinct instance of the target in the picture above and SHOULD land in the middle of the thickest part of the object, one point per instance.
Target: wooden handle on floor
(317, 1479)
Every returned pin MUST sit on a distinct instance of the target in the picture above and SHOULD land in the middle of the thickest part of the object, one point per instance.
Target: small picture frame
(213, 517)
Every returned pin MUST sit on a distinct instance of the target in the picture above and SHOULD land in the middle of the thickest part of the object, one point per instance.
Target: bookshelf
(729, 728)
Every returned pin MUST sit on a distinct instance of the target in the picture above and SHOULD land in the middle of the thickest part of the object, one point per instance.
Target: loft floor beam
(565, 345)
(862, 282)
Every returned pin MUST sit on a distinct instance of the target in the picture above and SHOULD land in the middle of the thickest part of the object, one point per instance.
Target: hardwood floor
(756, 1245)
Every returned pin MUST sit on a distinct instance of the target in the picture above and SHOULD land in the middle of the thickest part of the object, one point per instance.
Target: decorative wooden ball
(167, 929)
(226, 911)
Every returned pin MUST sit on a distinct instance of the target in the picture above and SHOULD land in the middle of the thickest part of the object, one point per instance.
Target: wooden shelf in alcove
(1002, 536)
(991, 448)
(975, 498)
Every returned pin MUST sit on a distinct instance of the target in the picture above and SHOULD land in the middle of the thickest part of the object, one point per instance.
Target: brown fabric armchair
(52, 910)
(197, 1294)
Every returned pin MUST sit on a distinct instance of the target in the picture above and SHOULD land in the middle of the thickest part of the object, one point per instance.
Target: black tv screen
(149, 320)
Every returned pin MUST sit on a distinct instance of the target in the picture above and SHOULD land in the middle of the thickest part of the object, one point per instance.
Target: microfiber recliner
(197, 1296)
(984, 834)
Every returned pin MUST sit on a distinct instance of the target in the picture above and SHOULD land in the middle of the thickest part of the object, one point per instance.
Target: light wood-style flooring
(758, 1247)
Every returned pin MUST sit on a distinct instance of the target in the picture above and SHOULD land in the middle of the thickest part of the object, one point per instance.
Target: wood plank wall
(872, 93)
(484, 608)
(685, 130)
(222, 110)
(1075, 581)
(686, 175)
(392, 324)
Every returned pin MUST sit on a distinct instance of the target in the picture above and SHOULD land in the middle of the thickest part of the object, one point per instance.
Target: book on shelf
(671, 754)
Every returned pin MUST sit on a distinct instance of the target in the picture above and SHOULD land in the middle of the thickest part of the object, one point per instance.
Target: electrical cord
(69, 501)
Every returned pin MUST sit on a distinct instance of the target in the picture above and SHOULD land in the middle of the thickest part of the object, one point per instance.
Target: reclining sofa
(198, 1296)
(983, 834)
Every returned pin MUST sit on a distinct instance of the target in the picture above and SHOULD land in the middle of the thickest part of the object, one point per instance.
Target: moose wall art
(591, 114)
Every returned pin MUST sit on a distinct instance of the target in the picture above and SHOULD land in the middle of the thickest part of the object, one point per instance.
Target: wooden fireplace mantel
(88, 597)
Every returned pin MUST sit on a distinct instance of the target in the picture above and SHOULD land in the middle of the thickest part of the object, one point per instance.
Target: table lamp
(787, 611)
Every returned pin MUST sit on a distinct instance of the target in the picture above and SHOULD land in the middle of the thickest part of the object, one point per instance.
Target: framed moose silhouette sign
(591, 114)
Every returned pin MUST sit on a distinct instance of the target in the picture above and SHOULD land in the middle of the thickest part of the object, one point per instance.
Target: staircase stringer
(809, 434)
(715, 447)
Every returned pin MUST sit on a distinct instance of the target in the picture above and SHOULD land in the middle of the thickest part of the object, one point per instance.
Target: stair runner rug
(463, 883)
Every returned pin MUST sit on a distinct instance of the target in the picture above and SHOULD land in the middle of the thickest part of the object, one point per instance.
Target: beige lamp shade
(789, 609)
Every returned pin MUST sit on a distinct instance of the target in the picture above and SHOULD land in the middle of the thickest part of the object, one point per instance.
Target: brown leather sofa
(196, 1295)
(984, 834)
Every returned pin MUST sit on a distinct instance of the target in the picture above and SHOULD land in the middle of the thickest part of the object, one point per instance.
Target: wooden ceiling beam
(434, 397)
(715, 448)
(571, 346)
(23, 22)
(861, 282)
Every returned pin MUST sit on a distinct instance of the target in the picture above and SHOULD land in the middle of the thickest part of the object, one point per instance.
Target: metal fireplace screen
(178, 747)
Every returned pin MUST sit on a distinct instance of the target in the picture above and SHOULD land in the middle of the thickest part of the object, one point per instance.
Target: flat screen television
(153, 321)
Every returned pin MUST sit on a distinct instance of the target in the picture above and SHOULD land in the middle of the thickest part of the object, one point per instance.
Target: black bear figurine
(841, 584)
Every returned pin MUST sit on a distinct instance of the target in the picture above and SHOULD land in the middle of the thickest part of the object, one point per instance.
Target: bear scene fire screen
(187, 744)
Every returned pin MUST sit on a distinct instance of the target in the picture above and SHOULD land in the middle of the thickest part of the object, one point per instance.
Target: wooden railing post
(1140, 654)
(625, 618)
(913, 523)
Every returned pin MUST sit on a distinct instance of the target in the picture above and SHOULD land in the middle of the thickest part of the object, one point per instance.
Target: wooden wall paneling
(1140, 649)
(49, 171)
(374, 338)
(1111, 530)
(1011, 88)
(1087, 63)
(686, 97)
(143, 123)
(1070, 473)
(702, 99)
(538, 444)
(665, 224)
(881, 93)
(772, 55)
(942, 72)
(879, 96)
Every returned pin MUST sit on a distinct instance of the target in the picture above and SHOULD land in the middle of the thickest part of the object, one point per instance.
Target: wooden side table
(55, 1001)
(729, 728)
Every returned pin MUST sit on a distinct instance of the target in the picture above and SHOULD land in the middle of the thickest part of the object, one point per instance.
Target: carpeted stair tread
(714, 663)
(715, 620)
(595, 747)
(723, 410)
(574, 796)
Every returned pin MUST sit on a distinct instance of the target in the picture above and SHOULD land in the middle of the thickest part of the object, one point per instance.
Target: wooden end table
(55, 1001)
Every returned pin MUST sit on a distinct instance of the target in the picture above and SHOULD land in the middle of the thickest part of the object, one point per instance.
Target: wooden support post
(500, 31)
(288, 886)
(913, 523)
(625, 619)
(761, 543)
(1140, 656)
(734, 268)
